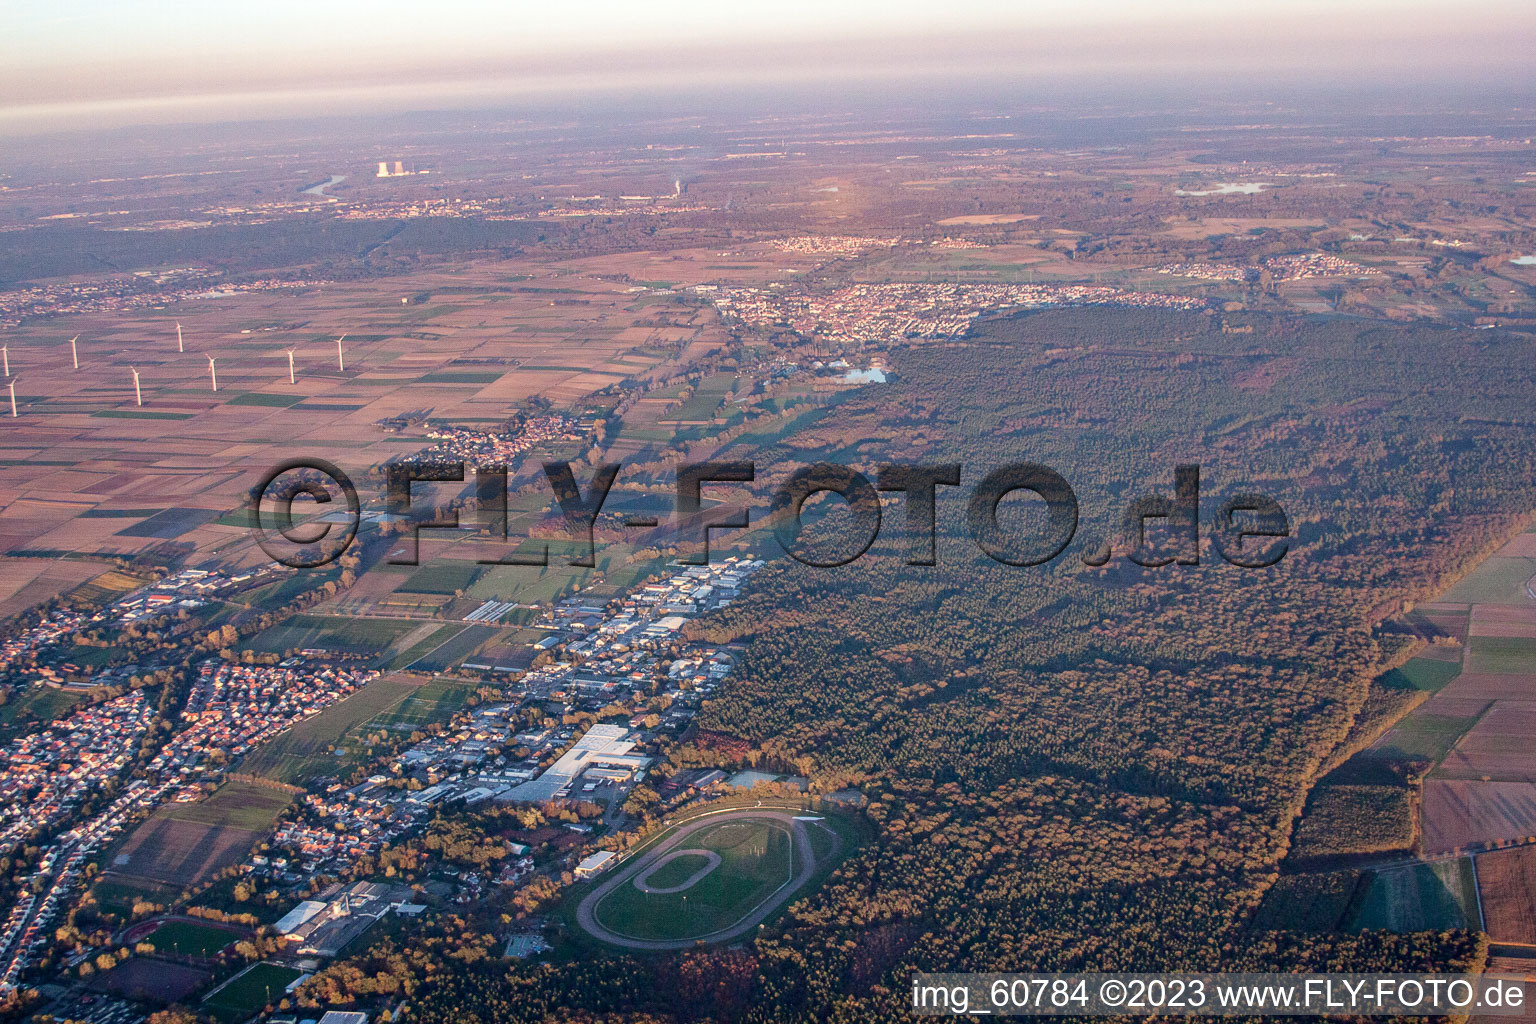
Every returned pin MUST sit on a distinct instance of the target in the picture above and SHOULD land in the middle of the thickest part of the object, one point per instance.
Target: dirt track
(805, 858)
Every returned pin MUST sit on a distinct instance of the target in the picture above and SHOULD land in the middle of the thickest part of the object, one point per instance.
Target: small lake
(871, 376)
(1524, 261)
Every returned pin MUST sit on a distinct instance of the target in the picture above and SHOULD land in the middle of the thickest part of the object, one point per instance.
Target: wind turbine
(74, 352)
(290, 366)
(6, 351)
(138, 396)
(179, 347)
(213, 373)
(13, 398)
(339, 364)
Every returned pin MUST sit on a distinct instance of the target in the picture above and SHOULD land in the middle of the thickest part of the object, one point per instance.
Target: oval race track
(806, 867)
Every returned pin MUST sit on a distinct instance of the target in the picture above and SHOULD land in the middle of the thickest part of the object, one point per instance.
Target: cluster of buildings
(1279, 268)
(488, 448)
(189, 588)
(234, 708)
(48, 773)
(598, 654)
(324, 925)
(832, 245)
(50, 889)
(26, 644)
(120, 294)
(861, 313)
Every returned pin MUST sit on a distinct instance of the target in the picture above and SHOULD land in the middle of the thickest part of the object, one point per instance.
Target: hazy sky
(65, 56)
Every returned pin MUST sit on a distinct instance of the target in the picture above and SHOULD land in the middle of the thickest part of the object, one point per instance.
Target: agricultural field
(1507, 882)
(310, 746)
(236, 803)
(436, 701)
(1423, 736)
(335, 633)
(1421, 896)
(1497, 748)
(1423, 673)
(1499, 580)
(170, 851)
(39, 704)
(1458, 815)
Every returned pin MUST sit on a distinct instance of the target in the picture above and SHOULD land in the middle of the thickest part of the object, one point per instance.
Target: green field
(1500, 579)
(755, 861)
(1503, 654)
(248, 993)
(237, 804)
(117, 896)
(1421, 897)
(454, 649)
(434, 639)
(330, 632)
(188, 938)
(1423, 736)
(262, 398)
(1429, 674)
(705, 400)
(442, 578)
(436, 701)
(43, 703)
(308, 747)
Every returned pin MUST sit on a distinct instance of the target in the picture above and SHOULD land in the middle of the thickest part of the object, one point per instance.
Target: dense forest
(1073, 767)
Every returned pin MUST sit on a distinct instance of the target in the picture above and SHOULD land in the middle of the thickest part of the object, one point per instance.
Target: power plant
(397, 170)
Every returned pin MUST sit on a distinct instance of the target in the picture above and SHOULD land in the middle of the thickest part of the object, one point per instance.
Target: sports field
(246, 994)
(182, 937)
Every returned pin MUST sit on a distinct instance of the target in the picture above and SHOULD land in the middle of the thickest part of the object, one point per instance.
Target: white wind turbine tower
(74, 352)
(138, 396)
(339, 364)
(13, 398)
(213, 374)
(179, 347)
(6, 351)
(290, 366)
